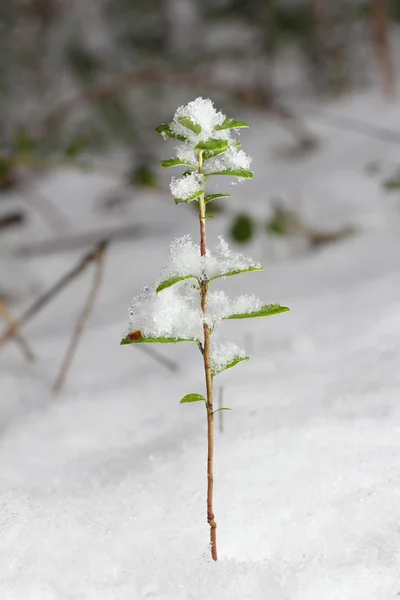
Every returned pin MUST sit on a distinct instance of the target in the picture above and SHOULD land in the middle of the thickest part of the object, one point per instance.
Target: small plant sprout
(181, 306)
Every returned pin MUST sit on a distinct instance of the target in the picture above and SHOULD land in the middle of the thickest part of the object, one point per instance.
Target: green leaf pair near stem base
(198, 398)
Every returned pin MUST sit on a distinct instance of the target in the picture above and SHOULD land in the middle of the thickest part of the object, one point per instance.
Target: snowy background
(102, 487)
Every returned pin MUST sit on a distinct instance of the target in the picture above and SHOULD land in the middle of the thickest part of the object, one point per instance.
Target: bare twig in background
(14, 327)
(163, 74)
(380, 34)
(158, 357)
(42, 301)
(11, 219)
(98, 259)
(320, 237)
(39, 202)
(79, 240)
(377, 132)
(24, 346)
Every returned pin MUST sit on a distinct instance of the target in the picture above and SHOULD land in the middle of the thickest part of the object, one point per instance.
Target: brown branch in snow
(39, 202)
(158, 357)
(164, 74)
(37, 306)
(384, 134)
(11, 219)
(8, 318)
(80, 240)
(98, 258)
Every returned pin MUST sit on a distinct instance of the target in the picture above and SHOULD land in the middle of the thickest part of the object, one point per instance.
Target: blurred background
(83, 84)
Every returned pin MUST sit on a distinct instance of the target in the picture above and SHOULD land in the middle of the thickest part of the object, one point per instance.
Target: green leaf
(212, 145)
(188, 123)
(165, 130)
(75, 147)
(163, 340)
(242, 229)
(212, 153)
(218, 409)
(233, 363)
(190, 199)
(242, 173)
(168, 282)
(237, 272)
(265, 311)
(192, 398)
(231, 124)
(209, 154)
(393, 183)
(212, 197)
(175, 162)
(24, 143)
(142, 176)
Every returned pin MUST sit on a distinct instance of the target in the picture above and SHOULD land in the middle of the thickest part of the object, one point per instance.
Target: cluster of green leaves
(206, 150)
(209, 148)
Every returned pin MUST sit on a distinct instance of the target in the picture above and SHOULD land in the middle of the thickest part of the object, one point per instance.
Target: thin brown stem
(98, 259)
(209, 379)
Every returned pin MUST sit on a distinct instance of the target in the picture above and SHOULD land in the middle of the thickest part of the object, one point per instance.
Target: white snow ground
(102, 490)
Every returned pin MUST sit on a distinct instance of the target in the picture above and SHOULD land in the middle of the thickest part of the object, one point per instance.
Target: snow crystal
(187, 186)
(185, 259)
(223, 261)
(174, 313)
(202, 112)
(223, 354)
(220, 306)
(186, 153)
(231, 159)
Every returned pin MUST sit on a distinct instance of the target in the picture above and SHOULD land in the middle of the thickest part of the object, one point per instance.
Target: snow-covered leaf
(213, 145)
(189, 124)
(188, 187)
(212, 197)
(168, 282)
(265, 311)
(241, 173)
(192, 398)
(237, 272)
(211, 154)
(231, 124)
(152, 340)
(190, 199)
(235, 361)
(175, 162)
(165, 131)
